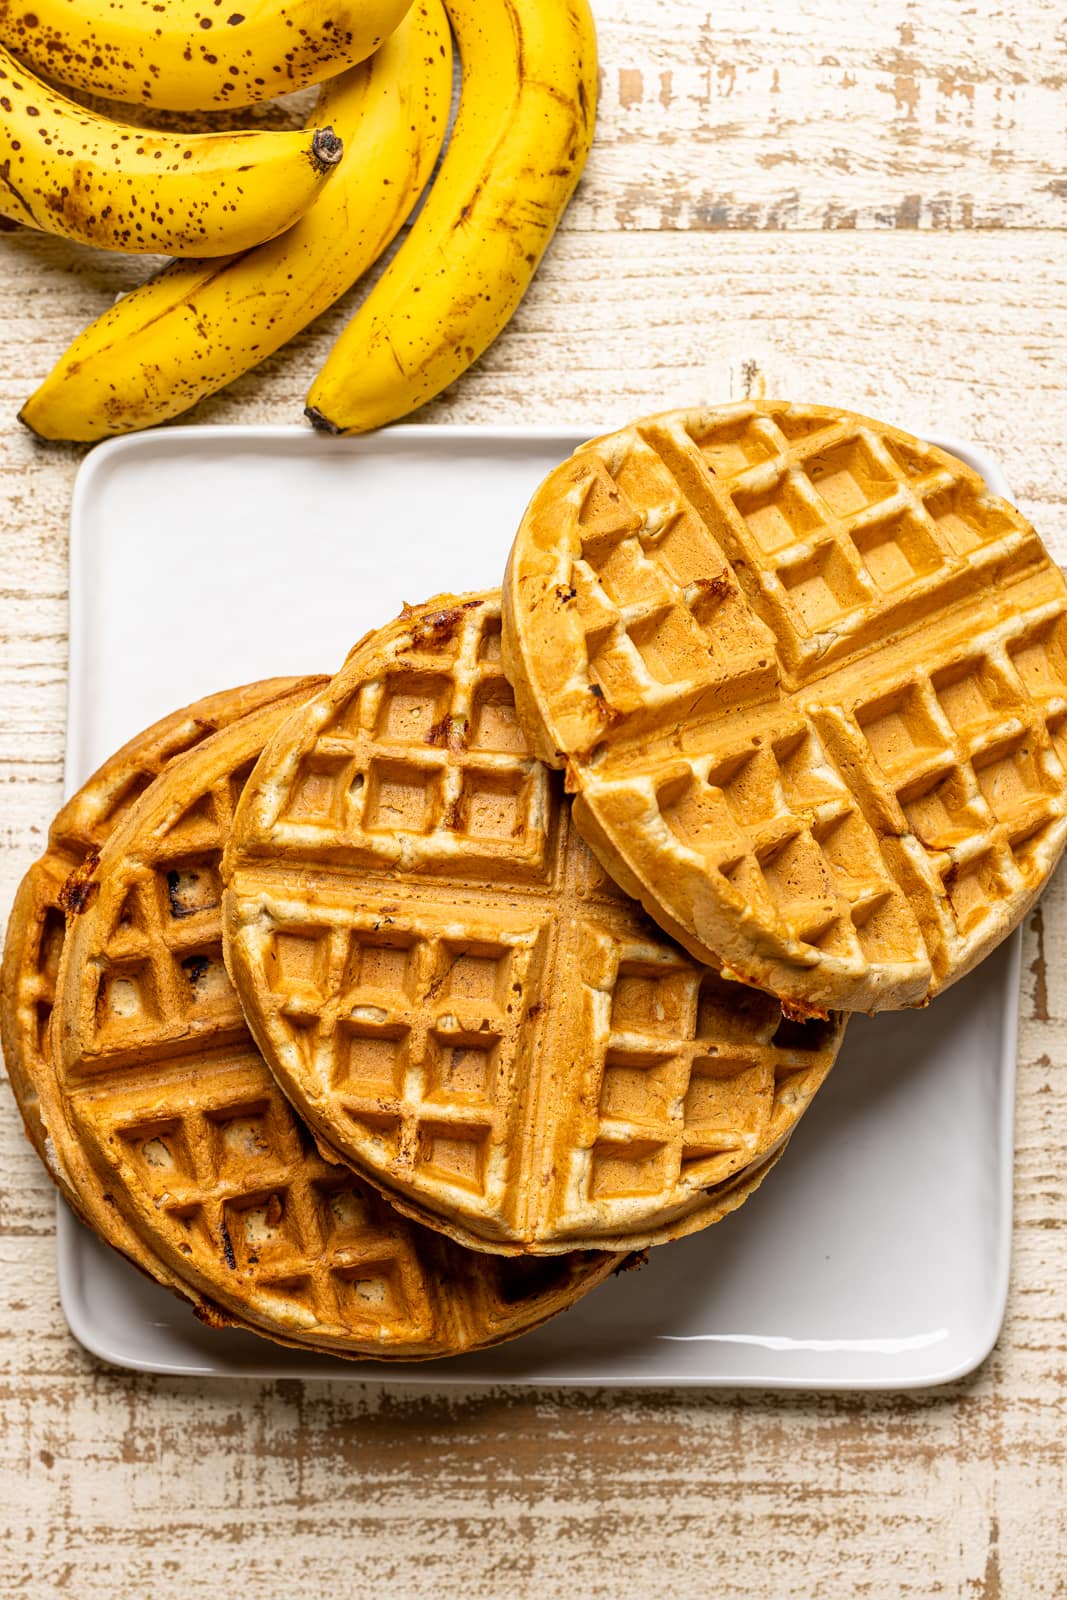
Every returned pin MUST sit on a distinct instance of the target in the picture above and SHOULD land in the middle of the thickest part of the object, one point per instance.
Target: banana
(66, 170)
(195, 55)
(522, 133)
(197, 325)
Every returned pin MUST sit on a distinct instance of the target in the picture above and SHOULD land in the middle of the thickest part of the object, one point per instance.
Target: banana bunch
(69, 171)
(197, 325)
(522, 132)
(194, 55)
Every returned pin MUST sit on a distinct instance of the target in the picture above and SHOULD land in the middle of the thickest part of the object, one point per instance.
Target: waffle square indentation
(749, 784)
(127, 1000)
(697, 813)
(1040, 659)
(943, 816)
(822, 589)
(378, 1130)
(780, 515)
(897, 550)
(652, 1003)
(161, 1153)
(624, 572)
(1014, 787)
(494, 804)
(344, 1212)
(401, 797)
(241, 1136)
(373, 1291)
(263, 1231)
(318, 792)
(491, 642)
(670, 644)
(732, 445)
(726, 1103)
(476, 972)
(412, 705)
(849, 477)
(901, 732)
(807, 778)
(799, 881)
(297, 963)
(462, 1066)
(494, 724)
(973, 698)
(974, 891)
(370, 1056)
(381, 963)
(638, 1167)
(454, 1153)
(732, 1013)
(193, 887)
(637, 1088)
(966, 518)
(207, 983)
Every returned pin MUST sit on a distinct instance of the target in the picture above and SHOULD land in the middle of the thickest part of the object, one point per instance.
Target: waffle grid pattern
(396, 1004)
(161, 969)
(973, 761)
(228, 1173)
(720, 561)
(192, 1136)
(846, 525)
(428, 762)
(694, 1083)
(37, 928)
(780, 826)
(417, 1032)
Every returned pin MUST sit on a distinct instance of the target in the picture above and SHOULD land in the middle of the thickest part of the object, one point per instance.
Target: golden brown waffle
(36, 927)
(183, 1150)
(455, 995)
(808, 679)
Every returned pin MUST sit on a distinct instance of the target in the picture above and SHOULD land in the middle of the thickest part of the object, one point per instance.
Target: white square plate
(875, 1257)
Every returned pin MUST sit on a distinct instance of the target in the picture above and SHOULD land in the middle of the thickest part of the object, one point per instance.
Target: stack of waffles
(389, 1014)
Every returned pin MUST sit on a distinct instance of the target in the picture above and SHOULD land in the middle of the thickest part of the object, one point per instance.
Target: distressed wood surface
(845, 203)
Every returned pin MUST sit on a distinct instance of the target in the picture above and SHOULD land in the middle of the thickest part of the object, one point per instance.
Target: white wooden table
(834, 201)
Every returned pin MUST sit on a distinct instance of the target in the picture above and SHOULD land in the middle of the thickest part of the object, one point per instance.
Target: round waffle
(177, 1144)
(458, 999)
(808, 679)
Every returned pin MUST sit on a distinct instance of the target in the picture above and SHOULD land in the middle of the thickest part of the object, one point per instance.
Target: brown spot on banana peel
(6, 180)
(468, 206)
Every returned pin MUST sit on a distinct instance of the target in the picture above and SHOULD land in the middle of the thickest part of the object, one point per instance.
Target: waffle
(808, 680)
(36, 927)
(457, 998)
(179, 1146)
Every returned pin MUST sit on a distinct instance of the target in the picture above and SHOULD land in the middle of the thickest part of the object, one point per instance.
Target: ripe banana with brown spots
(195, 55)
(522, 134)
(197, 325)
(66, 170)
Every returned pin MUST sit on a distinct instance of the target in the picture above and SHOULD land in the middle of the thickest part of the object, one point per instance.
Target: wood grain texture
(754, 114)
(837, 202)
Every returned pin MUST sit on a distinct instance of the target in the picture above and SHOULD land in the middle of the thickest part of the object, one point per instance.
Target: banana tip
(319, 422)
(326, 149)
(26, 423)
